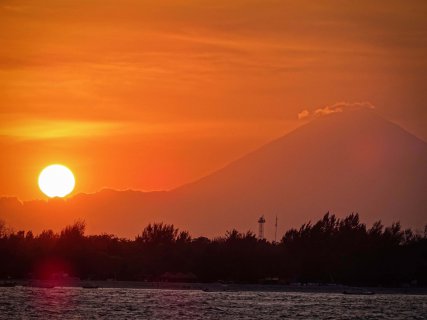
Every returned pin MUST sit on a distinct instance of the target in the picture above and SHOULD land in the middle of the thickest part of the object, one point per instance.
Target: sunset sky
(150, 95)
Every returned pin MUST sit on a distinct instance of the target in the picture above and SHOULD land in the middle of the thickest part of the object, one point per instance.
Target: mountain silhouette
(353, 161)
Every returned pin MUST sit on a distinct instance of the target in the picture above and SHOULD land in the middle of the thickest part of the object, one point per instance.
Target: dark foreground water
(103, 303)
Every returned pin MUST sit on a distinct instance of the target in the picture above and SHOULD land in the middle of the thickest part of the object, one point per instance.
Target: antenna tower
(261, 222)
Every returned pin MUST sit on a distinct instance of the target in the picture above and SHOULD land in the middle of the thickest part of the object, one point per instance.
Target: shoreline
(218, 287)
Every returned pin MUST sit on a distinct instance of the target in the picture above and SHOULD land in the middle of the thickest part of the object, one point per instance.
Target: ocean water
(103, 303)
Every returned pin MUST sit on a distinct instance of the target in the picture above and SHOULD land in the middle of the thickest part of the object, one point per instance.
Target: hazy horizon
(211, 171)
(372, 167)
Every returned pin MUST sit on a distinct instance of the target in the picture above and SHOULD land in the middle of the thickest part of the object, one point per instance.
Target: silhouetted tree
(329, 250)
(158, 233)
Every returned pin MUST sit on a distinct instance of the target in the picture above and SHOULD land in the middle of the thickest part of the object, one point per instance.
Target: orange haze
(149, 95)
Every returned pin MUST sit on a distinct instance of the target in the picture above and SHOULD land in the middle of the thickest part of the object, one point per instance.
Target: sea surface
(120, 303)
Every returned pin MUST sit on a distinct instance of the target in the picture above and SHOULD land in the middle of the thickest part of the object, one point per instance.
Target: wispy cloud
(335, 108)
(303, 114)
(51, 129)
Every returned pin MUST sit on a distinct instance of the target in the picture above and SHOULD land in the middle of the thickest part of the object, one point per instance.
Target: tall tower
(261, 222)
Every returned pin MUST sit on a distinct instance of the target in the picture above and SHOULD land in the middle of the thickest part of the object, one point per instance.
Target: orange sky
(152, 94)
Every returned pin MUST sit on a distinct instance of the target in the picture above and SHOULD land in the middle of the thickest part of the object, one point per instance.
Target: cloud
(335, 108)
(39, 129)
(303, 114)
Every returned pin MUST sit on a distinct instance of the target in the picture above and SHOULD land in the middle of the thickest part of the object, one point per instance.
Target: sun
(56, 180)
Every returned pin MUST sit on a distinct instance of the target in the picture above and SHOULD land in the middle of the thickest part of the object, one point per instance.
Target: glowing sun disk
(56, 181)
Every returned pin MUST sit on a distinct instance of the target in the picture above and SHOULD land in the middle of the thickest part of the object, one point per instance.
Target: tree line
(332, 250)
